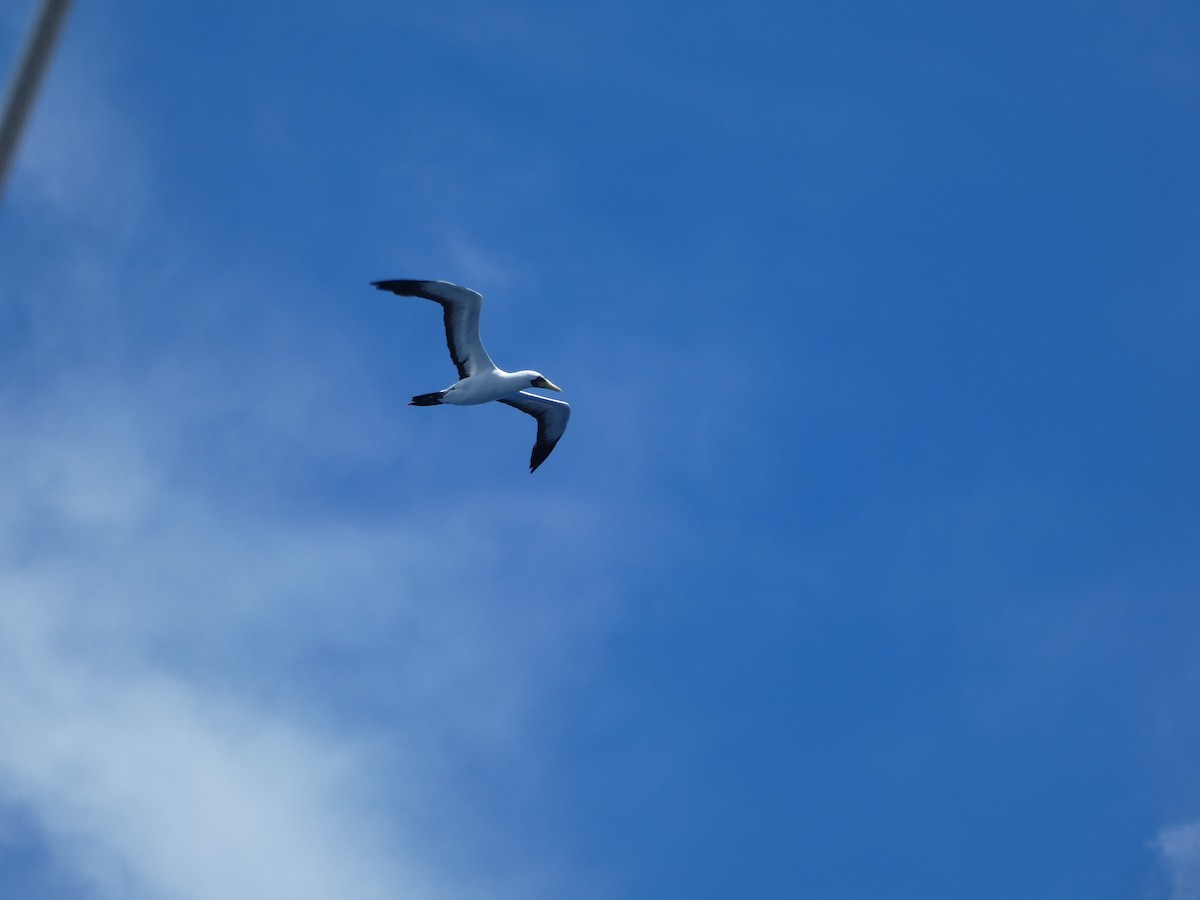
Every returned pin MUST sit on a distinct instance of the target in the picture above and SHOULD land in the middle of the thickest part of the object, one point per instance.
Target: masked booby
(480, 380)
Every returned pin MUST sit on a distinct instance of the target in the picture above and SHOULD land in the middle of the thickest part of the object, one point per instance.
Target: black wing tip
(405, 287)
(539, 456)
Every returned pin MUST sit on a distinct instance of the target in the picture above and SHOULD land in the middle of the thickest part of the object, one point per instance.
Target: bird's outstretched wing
(551, 415)
(460, 312)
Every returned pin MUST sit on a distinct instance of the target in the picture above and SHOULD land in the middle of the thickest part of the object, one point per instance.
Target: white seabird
(480, 380)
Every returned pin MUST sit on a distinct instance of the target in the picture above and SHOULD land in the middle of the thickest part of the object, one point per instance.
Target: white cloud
(151, 787)
(1179, 848)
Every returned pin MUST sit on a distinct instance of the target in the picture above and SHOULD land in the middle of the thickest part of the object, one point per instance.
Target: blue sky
(867, 567)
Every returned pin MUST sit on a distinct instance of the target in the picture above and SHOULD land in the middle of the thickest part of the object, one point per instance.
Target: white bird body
(484, 387)
(480, 380)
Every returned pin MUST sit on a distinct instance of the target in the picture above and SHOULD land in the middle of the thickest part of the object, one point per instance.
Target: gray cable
(27, 79)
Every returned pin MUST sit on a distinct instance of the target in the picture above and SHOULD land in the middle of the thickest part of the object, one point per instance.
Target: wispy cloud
(152, 787)
(1179, 849)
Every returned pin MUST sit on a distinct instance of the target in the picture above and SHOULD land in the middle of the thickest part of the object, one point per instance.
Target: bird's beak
(547, 384)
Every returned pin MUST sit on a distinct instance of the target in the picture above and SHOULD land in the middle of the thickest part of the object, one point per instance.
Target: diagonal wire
(27, 79)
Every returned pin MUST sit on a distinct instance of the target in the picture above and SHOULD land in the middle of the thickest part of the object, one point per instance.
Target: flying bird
(479, 379)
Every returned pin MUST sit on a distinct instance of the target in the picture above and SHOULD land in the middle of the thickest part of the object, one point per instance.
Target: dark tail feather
(433, 399)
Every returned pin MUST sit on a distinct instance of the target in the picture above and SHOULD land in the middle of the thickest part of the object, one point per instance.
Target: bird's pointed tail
(433, 399)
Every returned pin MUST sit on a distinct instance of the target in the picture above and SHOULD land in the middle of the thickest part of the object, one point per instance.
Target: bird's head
(538, 380)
